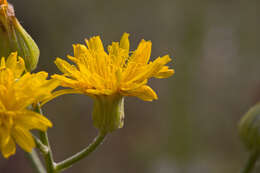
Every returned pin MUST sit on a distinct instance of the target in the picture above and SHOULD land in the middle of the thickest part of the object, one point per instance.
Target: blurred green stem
(33, 156)
(50, 164)
(82, 154)
(44, 146)
(249, 167)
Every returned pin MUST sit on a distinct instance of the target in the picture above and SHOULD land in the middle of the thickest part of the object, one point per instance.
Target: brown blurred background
(192, 128)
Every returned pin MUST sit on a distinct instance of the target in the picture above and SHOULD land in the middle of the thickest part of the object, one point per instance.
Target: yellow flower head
(108, 77)
(115, 72)
(17, 93)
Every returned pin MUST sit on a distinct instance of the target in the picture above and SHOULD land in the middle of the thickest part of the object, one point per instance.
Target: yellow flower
(17, 93)
(113, 75)
(3, 2)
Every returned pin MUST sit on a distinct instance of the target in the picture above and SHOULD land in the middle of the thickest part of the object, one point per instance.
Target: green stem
(37, 164)
(249, 167)
(50, 164)
(82, 154)
(43, 148)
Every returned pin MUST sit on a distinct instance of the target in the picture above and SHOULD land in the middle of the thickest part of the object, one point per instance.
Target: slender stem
(43, 148)
(50, 164)
(249, 167)
(82, 154)
(37, 164)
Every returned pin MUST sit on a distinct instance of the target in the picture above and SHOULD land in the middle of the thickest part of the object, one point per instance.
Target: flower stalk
(48, 157)
(37, 164)
(44, 146)
(82, 154)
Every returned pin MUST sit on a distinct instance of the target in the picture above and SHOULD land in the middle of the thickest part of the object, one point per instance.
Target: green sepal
(108, 114)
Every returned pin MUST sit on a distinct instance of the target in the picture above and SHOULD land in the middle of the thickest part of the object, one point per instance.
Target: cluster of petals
(118, 72)
(18, 91)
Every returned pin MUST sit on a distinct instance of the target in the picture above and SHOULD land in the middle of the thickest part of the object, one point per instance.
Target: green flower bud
(108, 114)
(249, 128)
(15, 39)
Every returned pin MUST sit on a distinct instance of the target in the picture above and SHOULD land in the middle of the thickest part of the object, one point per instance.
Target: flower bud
(249, 128)
(108, 114)
(15, 39)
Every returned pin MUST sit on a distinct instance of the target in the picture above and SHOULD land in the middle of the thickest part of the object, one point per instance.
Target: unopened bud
(13, 37)
(249, 128)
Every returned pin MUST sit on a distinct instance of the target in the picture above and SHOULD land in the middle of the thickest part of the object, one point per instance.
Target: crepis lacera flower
(108, 77)
(18, 90)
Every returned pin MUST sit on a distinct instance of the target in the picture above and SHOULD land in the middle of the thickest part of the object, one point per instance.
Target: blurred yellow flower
(108, 77)
(115, 72)
(17, 93)
(3, 2)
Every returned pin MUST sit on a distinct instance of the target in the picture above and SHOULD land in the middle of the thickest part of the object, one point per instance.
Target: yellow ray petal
(63, 79)
(32, 120)
(95, 44)
(64, 66)
(4, 135)
(23, 138)
(143, 52)
(79, 49)
(117, 55)
(44, 91)
(59, 93)
(8, 149)
(144, 92)
(12, 61)
(124, 42)
(16, 64)
(20, 67)
(132, 86)
(42, 75)
(151, 69)
(165, 72)
(6, 77)
(2, 62)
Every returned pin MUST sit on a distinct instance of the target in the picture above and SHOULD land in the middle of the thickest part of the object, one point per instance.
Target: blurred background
(192, 128)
